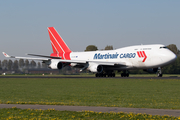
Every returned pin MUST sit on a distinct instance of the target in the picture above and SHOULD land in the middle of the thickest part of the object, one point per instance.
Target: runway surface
(175, 113)
(28, 76)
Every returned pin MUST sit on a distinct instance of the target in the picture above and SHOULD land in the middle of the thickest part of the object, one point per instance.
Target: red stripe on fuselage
(142, 54)
(138, 54)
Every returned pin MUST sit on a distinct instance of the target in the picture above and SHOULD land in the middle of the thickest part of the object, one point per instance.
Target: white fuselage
(150, 56)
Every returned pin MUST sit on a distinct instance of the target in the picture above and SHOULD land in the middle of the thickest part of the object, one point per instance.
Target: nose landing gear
(159, 72)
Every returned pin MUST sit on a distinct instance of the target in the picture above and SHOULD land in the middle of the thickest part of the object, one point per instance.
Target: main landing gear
(125, 74)
(106, 74)
(112, 74)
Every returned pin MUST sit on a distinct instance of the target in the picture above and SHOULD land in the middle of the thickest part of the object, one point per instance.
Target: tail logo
(142, 54)
(60, 49)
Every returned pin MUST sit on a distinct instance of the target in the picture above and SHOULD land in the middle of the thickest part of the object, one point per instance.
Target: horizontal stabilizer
(45, 56)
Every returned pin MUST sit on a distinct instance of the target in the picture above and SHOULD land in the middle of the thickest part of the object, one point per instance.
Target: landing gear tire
(124, 74)
(105, 74)
(97, 75)
(159, 75)
(100, 75)
(112, 75)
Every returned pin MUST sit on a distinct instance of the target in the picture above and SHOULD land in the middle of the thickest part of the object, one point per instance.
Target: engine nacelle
(56, 65)
(96, 68)
(152, 70)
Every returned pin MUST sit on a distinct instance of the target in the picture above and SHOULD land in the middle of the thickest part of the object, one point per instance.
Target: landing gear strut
(159, 72)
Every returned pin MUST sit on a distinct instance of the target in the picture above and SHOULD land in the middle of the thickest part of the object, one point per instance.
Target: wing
(92, 62)
(109, 63)
(8, 56)
(47, 58)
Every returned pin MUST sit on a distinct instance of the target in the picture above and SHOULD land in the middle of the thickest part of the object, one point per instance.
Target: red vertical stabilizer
(60, 49)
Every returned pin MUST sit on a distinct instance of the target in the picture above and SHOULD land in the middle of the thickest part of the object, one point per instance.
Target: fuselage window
(163, 47)
(146, 48)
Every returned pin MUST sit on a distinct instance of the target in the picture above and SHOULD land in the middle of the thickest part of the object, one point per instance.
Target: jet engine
(56, 65)
(96, 68)
(152, 70)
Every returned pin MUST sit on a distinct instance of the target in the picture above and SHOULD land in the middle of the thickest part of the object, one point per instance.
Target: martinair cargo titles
(147, 57)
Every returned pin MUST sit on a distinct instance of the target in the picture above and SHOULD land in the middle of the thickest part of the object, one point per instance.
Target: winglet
(6, 55)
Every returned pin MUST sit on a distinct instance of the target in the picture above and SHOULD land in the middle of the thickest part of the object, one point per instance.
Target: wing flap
(45, 56)
(97, 62)
(109, 63)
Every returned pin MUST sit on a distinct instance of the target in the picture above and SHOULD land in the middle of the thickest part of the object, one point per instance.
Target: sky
(120, 23)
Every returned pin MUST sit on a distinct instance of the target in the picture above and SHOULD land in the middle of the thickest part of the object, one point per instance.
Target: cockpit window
(163, 47)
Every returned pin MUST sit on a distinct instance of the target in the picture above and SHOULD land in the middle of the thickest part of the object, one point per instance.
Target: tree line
(20, 64)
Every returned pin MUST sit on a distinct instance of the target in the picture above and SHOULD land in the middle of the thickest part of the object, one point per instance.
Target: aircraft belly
(140, 64)
(149, 63)
(117, 68)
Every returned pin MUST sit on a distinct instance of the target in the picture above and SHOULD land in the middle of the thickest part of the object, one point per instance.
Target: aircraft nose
(168, 57)
(171, 57)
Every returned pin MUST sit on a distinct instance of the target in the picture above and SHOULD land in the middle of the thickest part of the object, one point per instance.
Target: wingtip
(6, 55)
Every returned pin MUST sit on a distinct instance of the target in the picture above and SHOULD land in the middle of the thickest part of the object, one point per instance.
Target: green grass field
(137, 93)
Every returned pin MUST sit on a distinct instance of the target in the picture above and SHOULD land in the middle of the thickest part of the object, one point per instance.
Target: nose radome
(167, 57)
(172, 57)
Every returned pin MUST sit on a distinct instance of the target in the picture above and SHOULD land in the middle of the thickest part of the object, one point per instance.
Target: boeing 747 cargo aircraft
(147, 57)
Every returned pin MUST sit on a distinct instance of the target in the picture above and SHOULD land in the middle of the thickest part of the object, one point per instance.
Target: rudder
(58, 45)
